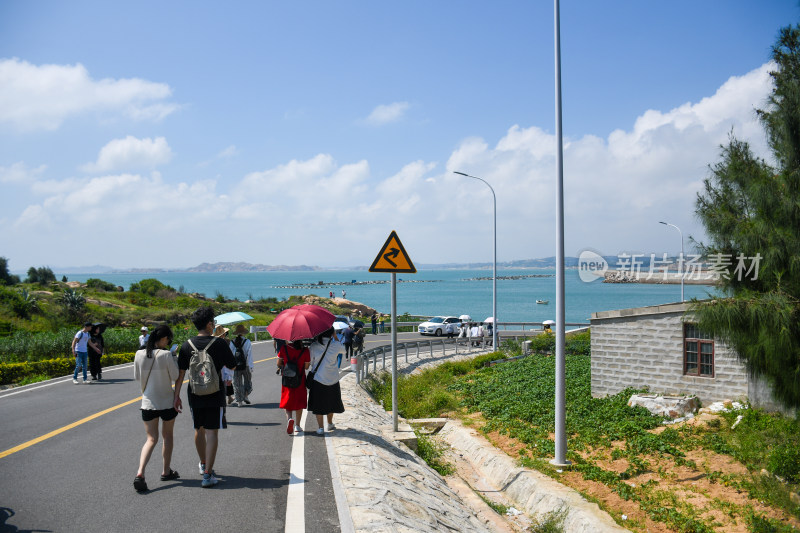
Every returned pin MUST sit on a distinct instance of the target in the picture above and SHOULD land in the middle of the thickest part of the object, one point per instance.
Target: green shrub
(150, 287)
(784, 461)
(52, 368)
(100, 285)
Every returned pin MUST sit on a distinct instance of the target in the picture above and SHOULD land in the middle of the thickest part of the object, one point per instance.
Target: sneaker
(320, 431)
(209, 480)
(235, 404)
(290, 426)
(331, 427)
(202, 468)
(75, 381)
(86, 381)
(247, 401)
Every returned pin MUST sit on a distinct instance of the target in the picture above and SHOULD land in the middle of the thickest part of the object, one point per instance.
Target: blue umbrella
(232, 318)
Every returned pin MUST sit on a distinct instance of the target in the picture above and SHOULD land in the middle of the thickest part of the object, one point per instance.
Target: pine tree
(752, 209)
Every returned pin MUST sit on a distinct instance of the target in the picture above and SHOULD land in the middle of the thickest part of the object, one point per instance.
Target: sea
(429, 292)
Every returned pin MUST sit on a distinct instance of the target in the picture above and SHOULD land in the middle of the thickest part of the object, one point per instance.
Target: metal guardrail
(427, 346)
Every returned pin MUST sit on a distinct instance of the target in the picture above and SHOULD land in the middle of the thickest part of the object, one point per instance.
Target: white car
(440, 325)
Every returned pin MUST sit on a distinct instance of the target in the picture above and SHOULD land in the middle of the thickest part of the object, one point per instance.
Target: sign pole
(394, 350)
(393, 258)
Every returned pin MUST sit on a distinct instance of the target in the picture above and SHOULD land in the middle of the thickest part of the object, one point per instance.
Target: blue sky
(171, 133)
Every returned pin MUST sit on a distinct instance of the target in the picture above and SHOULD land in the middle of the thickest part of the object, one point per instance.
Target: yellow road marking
(58, 431)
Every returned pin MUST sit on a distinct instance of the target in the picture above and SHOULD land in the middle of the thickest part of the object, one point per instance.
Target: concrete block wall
(643, 347)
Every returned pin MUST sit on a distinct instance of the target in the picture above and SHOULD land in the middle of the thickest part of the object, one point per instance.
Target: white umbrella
(465, 317)
(338, 326)
(232, 318)
(488, 319)
(549, 322)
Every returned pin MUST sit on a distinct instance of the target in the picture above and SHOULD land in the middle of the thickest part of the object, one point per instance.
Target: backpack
(291, 378)
(238, 355)
(203, 376)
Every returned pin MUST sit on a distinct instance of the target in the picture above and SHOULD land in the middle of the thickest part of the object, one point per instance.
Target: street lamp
(681, 262)
(494, 267)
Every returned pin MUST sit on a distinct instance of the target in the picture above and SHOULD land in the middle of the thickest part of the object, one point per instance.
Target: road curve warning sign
(393, 257)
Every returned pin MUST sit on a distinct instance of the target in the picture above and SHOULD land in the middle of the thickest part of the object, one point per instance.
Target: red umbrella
(301, 322)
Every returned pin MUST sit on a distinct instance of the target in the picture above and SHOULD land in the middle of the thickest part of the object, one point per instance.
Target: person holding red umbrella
(296, 357)
(293, 325)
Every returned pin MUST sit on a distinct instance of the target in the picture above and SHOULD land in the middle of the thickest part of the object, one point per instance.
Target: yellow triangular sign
(393, 257)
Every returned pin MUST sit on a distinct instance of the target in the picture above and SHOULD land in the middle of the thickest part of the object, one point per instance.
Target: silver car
(440, 325)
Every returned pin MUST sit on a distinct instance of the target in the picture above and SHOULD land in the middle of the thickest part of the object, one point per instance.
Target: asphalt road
(80, 478)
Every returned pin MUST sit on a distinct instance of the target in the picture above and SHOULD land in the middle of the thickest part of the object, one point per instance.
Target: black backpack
(238, 356)
(291, 378)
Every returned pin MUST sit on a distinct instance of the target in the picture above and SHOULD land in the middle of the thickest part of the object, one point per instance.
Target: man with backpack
(243, 373)
(202, 358)
(81, 352)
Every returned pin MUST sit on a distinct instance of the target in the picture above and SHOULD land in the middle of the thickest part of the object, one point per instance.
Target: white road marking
(295, 498)
(345, 520)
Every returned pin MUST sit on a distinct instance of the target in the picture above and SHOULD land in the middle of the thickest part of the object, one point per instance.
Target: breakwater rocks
(489, 278)
(328, 284)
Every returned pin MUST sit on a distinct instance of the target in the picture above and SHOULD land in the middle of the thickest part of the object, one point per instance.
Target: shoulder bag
(310, 376)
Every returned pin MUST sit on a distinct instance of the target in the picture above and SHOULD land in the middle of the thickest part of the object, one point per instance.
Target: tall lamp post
(681, 262)
(494, 267)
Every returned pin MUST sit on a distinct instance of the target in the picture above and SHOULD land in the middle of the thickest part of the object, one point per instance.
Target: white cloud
(318, 211)
(42, 97)
(230, 151)
(384, 114)
(20, 173)
(131, 153)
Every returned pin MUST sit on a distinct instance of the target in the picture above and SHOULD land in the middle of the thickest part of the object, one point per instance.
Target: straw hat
(240, 330)
(220, 331)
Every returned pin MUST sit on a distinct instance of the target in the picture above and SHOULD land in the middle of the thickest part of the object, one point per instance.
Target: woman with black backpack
(293, 361)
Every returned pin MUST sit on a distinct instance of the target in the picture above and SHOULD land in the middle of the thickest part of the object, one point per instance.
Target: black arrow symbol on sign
(394, 252)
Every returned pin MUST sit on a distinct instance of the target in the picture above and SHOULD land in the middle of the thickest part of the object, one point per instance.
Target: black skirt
(324, 399)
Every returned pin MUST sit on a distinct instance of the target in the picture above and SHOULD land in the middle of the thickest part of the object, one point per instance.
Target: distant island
(241, 266)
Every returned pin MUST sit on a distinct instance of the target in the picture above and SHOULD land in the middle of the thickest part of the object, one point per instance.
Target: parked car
(440, 325)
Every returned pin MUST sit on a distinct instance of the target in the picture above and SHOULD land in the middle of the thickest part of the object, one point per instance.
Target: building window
(698, 352)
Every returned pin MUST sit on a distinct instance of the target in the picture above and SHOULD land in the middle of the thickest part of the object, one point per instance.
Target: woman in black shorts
(156, 369)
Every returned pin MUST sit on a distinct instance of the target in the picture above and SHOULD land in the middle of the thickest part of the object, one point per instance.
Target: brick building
(659, 347)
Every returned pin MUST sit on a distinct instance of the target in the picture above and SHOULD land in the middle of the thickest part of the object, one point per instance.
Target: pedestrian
(330, 293)
(79, 348)
(489, 329)
(207, 410)
(374, 321)
(381, 324)
(294, 356)
(242, 350)
(156, 369)
(325, 394)
(347, 340)
(96, 347)
(344, 293)
(227, 374)
(358, 341)
(143, 338)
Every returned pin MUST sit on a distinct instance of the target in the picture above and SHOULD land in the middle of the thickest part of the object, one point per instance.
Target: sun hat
(220, 331)
(240, 330)
(144, 328)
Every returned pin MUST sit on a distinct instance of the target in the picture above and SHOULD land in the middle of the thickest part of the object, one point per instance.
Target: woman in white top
(156, 369)
(325, 395)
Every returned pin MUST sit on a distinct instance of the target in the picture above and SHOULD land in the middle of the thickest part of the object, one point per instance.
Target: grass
(602, 429)
(33, 379)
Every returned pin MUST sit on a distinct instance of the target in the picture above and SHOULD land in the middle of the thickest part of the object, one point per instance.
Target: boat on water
(542, 301)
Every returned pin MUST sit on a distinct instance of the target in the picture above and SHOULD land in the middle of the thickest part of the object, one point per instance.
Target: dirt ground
(723, 505)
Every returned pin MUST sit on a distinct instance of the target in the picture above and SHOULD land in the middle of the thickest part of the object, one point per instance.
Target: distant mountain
(248, 267)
